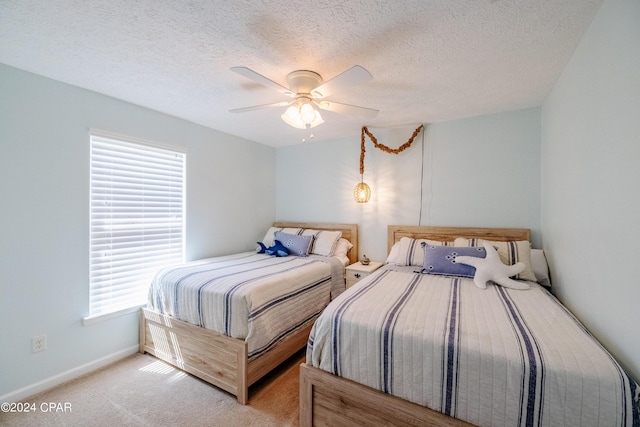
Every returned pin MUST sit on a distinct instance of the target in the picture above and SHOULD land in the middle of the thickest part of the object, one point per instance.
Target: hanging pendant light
(362, 192)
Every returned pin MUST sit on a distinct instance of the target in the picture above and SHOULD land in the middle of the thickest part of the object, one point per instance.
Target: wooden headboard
(448, 234)
(349, 232)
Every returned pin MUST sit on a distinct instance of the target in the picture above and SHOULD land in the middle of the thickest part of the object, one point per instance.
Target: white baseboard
(30, 390)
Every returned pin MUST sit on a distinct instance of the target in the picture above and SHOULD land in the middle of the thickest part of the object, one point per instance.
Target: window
(137, 220)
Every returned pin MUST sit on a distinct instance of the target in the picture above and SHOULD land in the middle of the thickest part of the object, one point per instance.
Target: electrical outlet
(38, 343)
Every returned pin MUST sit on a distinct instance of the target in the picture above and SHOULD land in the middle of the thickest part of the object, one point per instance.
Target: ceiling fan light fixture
(317, 120)
(307, 88)
(302, 117)
(307, 114)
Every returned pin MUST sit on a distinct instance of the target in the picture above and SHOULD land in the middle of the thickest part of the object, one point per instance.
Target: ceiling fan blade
(259, 78)
(351, 110)
(353, 76)
(260, 107)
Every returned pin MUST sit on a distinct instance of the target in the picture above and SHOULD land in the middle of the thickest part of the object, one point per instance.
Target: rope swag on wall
(362, 192)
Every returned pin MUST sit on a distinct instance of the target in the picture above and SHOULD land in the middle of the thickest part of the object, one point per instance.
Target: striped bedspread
(249, 296)
(494, 357)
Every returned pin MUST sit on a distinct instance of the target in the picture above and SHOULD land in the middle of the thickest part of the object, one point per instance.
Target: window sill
(91, 320)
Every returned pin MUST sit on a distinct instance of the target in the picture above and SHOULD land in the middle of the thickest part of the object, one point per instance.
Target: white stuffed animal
(492, 269)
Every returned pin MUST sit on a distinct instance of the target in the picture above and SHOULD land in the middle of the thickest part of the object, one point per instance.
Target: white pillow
(540, 267)
(410, 251)
(393, 253)
(510, 253)
(324, 242)
(269, 240)
(342, 248)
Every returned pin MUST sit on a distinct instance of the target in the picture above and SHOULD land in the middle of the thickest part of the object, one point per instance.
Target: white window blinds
(137, 220)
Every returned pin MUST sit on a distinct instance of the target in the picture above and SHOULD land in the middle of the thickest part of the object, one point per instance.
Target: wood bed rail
(328, 400)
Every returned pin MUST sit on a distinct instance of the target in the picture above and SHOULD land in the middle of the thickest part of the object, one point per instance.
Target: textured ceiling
(431, 60)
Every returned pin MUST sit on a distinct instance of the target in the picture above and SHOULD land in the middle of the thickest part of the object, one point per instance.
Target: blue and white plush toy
(278, 249)
(492, 269)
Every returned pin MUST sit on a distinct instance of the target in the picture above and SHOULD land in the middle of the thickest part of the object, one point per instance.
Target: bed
(230, 320)
(405, 348)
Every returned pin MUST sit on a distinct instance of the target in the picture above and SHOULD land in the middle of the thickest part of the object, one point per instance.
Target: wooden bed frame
(329, 400)
(217, 358)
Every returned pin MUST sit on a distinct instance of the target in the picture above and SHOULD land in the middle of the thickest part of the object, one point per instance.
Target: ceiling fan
(308, 92)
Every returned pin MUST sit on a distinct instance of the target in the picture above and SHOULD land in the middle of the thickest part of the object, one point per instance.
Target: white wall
(482, 171)
(44, 231)
(590, 176)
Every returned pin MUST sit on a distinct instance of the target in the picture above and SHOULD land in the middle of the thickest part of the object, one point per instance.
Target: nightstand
(356, 271)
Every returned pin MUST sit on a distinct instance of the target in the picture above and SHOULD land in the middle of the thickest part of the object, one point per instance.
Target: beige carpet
(143, 391)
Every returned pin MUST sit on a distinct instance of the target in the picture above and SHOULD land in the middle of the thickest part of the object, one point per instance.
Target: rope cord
(383, 147)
